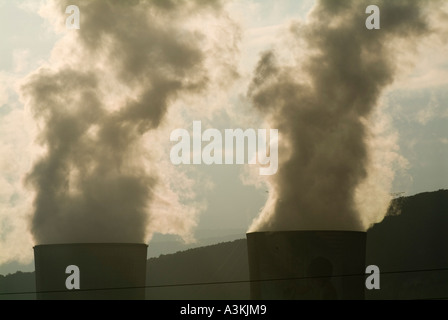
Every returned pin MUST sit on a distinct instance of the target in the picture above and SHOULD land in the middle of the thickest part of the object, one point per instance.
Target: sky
(210, 75)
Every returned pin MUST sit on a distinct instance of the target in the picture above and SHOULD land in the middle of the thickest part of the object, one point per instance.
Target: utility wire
(224, 282)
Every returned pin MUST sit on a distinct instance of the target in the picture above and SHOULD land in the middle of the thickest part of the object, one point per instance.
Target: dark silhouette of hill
(16, 284)
(412, 238)
(205, 267)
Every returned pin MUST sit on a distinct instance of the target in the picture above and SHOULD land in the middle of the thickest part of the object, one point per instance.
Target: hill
(213, 272)
(19, 285)
(410, 246)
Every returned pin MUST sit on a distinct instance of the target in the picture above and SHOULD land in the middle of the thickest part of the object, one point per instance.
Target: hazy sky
(409, 118)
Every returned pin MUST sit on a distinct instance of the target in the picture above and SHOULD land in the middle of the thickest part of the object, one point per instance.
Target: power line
(223, 282)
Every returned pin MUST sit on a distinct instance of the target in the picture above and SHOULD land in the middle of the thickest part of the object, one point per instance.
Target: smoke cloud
(323, 104)
(109, 84)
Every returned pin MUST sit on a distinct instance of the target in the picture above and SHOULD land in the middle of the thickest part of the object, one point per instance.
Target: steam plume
(109, 84)
(322, 107)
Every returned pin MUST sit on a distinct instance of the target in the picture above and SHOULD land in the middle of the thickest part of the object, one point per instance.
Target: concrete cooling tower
(100, 271)
(327, 265)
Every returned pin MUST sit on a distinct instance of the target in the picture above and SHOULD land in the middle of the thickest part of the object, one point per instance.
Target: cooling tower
(308, 265)
(103, 271)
